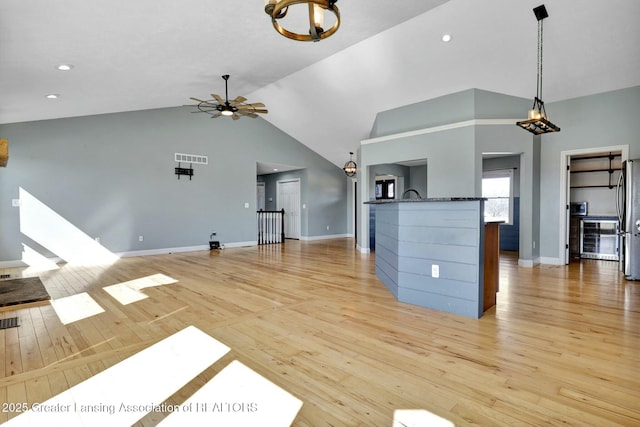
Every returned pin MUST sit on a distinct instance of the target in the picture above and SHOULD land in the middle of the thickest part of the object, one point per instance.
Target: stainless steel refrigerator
(628, 207)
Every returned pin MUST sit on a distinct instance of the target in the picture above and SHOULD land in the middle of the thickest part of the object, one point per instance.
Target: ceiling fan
(217, 106)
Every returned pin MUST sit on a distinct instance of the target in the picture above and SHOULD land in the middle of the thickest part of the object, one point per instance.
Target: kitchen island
(438, 253)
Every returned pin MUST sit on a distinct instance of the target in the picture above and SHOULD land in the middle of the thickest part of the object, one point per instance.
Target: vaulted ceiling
(145, 54)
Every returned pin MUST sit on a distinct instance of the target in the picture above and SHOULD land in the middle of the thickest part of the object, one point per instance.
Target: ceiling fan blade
(196, 99)
(238, 100)
(217, 98)
(216, 115)
(250, 106)
(235, 116)
(260, 111)
(252, 115)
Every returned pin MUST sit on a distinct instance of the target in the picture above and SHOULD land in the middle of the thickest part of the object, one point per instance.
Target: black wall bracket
(184, 171)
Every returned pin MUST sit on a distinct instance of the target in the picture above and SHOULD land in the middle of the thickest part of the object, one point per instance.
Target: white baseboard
(551, 261)
(145, 252)
(540, 260)
(164, 251)
(240, 244)
(528, 262)
(161, 251)
(363, 250)
(331, 236)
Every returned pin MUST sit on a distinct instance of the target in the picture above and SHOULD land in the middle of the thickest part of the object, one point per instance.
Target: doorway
(585, 179)
(288, 198)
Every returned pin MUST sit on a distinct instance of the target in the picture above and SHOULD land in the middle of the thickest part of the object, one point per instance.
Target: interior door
(288, 198)
(260, 194)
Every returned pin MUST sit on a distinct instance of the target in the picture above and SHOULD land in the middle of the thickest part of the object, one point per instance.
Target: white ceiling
(144, 54)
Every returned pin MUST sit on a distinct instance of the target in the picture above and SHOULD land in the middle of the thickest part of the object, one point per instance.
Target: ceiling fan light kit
(537, 121)
(277, 10)
(217, 106)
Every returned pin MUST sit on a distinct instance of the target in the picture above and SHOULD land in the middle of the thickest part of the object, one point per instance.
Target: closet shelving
(597, 164)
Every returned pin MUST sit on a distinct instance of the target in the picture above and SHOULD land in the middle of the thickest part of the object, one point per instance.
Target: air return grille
(192, 158)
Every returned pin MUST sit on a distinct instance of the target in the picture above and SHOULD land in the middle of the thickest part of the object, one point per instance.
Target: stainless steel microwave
(578, 208)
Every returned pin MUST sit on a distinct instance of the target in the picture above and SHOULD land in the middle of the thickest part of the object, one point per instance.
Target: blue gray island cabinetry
(431, 252)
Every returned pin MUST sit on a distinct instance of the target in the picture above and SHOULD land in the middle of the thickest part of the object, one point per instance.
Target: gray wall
(112, 176)
(418, 179)
(454, 155)
(601, 120)
(451, 108)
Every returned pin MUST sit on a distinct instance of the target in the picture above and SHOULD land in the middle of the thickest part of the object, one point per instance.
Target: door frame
(279, 207)
(565, 196)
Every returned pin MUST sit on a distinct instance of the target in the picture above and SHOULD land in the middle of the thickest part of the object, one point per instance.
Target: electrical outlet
(435, 271)
(15, 203)
(140, 238)
(97, 239)
(327, 228)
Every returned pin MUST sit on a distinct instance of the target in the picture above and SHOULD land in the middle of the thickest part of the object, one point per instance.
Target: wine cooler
(599, 239)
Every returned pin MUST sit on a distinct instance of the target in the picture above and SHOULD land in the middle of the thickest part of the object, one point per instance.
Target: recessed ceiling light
(64, 67)
(446, 38)
(275, 170)
(52, 96)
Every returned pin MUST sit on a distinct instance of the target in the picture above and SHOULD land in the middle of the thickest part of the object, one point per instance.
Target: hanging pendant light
(537, 122)
(277, 10)
(350, 168)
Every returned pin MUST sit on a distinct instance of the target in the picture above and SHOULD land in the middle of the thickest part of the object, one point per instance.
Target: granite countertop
(426, 199)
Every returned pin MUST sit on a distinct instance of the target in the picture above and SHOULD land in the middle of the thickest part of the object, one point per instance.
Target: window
(385, 189)
(497, 188)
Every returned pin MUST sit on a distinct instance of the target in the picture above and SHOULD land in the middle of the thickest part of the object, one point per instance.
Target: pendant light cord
(539, 79)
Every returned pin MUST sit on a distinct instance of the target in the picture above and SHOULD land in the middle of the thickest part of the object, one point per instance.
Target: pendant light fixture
(537, 122)
(277, 10)
(350, 168)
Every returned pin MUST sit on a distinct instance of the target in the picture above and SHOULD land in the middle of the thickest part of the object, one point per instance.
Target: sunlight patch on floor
(418, 418)
(76, 307)
(127, 391)
(129, 292)
(237, 396)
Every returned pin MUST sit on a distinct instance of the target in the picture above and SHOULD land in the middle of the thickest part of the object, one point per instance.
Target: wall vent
(192, 158)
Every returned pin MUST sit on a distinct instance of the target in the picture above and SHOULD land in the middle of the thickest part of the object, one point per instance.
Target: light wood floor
(562, 346)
